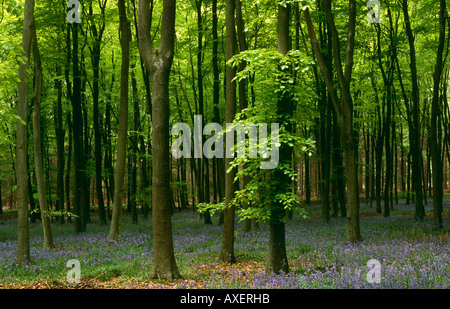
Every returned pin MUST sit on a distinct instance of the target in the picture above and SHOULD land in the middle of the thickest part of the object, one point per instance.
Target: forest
(200, 144)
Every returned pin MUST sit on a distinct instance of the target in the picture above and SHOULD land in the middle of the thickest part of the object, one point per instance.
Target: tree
(342, 106)
(158, 62)
(227, 249)
(23, 237)
(78, 147)
(60, 133)
(437, 173)
(97, 34)
(125, 37)
(414, 125)
(277, 260)
(38, 158)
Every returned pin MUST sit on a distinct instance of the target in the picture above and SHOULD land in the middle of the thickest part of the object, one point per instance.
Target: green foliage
(211, 208)
(55, 213)
(275, 75)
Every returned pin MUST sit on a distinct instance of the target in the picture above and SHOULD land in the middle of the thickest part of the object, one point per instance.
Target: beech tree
(123, 122)
(38, 158)
(343, 106)
(227, 249)
(436, 147)
(277, 260)
(23, 238)
(158, 61)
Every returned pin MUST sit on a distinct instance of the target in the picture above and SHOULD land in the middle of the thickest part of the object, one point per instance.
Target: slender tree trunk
(38, 159)
(343, 108)
(142, 149)
(69, 162)
(366, 136)
(324, 126)
(134, 146)
(95, 52)
(307, 181)
(338, 168)
(227, 249)
(79, 194)
(216, 98)
(243, 102)
(437, 173)
(416, 151)
(23, 236)
(109, 178)
(1, 199)
(59, 132)
(125, 37)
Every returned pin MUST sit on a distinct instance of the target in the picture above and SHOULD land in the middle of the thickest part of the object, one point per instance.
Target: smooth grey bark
(37, 145)
(158, 62)
(343, 107)
(23, 234)
(125, 37)
(227, 250)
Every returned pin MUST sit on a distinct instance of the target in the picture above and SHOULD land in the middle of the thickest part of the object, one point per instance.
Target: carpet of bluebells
(411, 254)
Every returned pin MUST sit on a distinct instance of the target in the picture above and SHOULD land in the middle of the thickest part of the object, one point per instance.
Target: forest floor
(412, 254)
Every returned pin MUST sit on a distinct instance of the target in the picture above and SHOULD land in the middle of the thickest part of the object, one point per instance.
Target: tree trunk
(86, 205)
(307, 181)
(125, 37)
(95, 52)
(1, 199)
(159, 62)
(416, 151)
(227, 249)
(23, 236)
(216, 98)
(69, 161)
(437, 173)
(343, 108)
(338, 168)
(109, 178)
(38, 159)
(59, 132)
(243, 102)
(277, 261)
(79, 194)
(134, 146)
